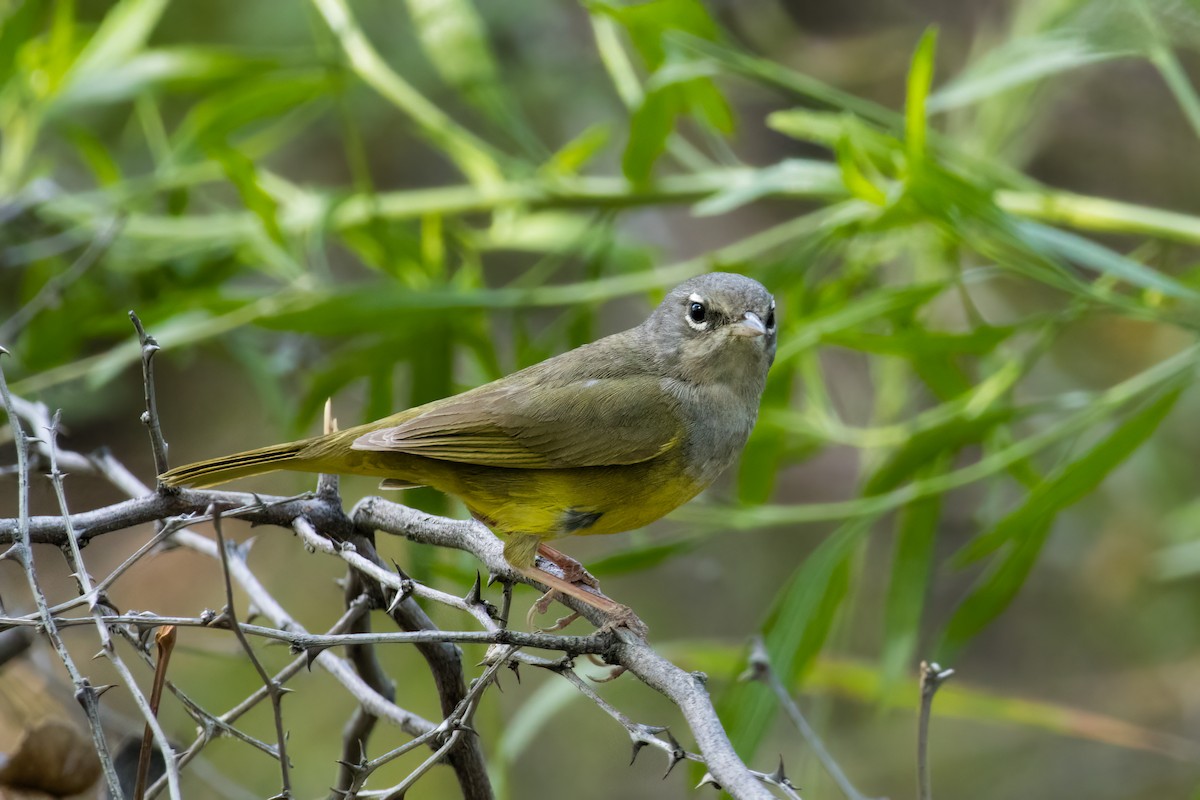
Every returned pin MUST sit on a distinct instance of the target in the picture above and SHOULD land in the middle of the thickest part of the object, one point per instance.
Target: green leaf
(912, 565)
(576, 154)
(1071, 482)
(1017, 62)
(1071, 247)
(141, 72)
(643, 556)
(920, 79)
(791, 175)
(1029, 525)
(931, 443)
(995, 590)
(243, 174)
(650, 125)
(793, 635)
(223, 113)
(124, 31)
(453, 38)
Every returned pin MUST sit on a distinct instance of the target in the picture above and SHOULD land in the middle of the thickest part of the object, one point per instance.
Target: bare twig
(274, 690)
(443, 658)
(641, 736)
(75, 560)
(760, 669)
(21, 550)
(362, 722)
(213, 725)
(457, 723)
(932, 677)
(150, 416)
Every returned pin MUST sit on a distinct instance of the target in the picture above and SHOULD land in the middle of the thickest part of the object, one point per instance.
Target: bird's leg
(618, 615)
(573, 571)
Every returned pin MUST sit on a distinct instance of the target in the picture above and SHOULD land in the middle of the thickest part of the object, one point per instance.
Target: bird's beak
(749, 326)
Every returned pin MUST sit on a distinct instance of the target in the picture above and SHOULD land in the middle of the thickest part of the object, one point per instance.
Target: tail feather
(215, 471)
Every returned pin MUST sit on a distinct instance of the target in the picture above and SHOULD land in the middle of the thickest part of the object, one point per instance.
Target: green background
(977, 440)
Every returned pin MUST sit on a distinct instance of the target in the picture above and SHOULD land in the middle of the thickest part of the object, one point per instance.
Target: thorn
(677, 752)
(492, 578)
(779, 776)
(515, 666)
(638, 744)
(4, 351)
(399, 597)
(475, 596)
(758, 666)
(709, 780)
(100, 690)
(310, 655)
(404, 592)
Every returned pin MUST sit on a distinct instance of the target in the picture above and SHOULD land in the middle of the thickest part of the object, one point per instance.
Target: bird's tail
(215, 471)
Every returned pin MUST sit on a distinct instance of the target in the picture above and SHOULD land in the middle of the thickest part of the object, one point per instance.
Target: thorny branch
(274, 690)
(22, 552)
(319, 520)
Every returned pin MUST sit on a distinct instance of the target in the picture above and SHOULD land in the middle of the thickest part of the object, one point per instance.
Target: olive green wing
(582, 423)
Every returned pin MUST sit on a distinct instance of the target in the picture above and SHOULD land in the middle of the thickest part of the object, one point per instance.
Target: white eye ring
(696, 306)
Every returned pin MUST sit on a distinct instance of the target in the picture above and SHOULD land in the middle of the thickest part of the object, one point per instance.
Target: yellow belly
(548, 503)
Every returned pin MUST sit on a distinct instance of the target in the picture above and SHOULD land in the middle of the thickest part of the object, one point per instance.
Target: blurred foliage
(445, 190)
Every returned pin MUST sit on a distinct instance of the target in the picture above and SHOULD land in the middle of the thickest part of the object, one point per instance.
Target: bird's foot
(623, 617)
(615, 614)
(541, 606)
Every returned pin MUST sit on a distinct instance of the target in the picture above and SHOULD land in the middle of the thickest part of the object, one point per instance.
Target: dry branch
(321, 523)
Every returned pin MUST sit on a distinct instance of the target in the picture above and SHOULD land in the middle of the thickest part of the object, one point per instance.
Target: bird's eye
(696, 312)
(771, 320)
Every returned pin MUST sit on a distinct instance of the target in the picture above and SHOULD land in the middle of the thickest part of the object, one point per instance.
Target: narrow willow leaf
(578, 152)
(243, 174)
(912, 565)
(184, 67)
(932, 443)
(649, 126)
(920, 79)
(1018, 62)
(794, 633)
(643, 556)
(788, 176)
(1097, 257)
(1070, 483)
(124, 30)
(1029, 526)
(995, 590)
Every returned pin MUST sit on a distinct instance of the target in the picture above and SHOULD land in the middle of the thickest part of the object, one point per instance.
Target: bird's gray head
(716, 327)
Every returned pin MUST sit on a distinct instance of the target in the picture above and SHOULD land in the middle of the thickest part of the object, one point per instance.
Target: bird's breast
(718, 423)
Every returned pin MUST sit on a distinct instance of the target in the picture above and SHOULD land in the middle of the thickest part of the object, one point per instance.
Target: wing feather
(579, 423)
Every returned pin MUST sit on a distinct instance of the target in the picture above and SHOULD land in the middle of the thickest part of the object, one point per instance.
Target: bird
(605, 438)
